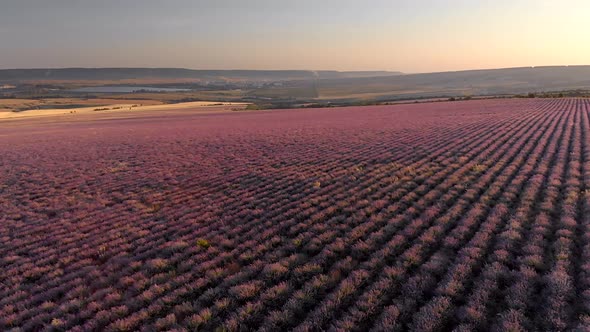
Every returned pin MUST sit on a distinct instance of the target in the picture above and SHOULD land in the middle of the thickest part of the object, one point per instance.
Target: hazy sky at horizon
(404, 35)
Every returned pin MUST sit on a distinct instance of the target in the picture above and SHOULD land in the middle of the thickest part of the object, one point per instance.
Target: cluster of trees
(556, 94)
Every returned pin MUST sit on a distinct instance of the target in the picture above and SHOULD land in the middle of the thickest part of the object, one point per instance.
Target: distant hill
(470, 82)
(325, 85)
(355, 74)
(19, 75)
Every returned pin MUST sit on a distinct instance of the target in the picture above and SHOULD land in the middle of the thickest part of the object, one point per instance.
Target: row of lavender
(466, 216)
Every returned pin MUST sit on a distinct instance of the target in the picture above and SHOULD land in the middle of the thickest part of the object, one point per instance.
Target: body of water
(125, 89)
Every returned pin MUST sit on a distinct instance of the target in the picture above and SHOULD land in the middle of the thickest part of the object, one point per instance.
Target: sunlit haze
(409, 36)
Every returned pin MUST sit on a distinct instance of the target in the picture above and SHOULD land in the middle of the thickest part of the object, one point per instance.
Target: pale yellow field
(128, 108)
(12, 105)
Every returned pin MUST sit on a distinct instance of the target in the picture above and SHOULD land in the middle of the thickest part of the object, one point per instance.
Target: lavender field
(452, 216)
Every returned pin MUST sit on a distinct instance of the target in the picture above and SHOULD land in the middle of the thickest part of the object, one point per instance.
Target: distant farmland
(465, 216)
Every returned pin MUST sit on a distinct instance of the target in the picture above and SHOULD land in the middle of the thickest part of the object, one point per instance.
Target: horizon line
(302, 70)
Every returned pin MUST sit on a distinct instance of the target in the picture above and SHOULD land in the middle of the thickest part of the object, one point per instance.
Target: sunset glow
(409, 36)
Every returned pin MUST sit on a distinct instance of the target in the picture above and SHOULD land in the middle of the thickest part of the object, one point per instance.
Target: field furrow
(464, 216)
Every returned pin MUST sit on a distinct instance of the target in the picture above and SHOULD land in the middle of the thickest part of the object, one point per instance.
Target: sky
(399, 35)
